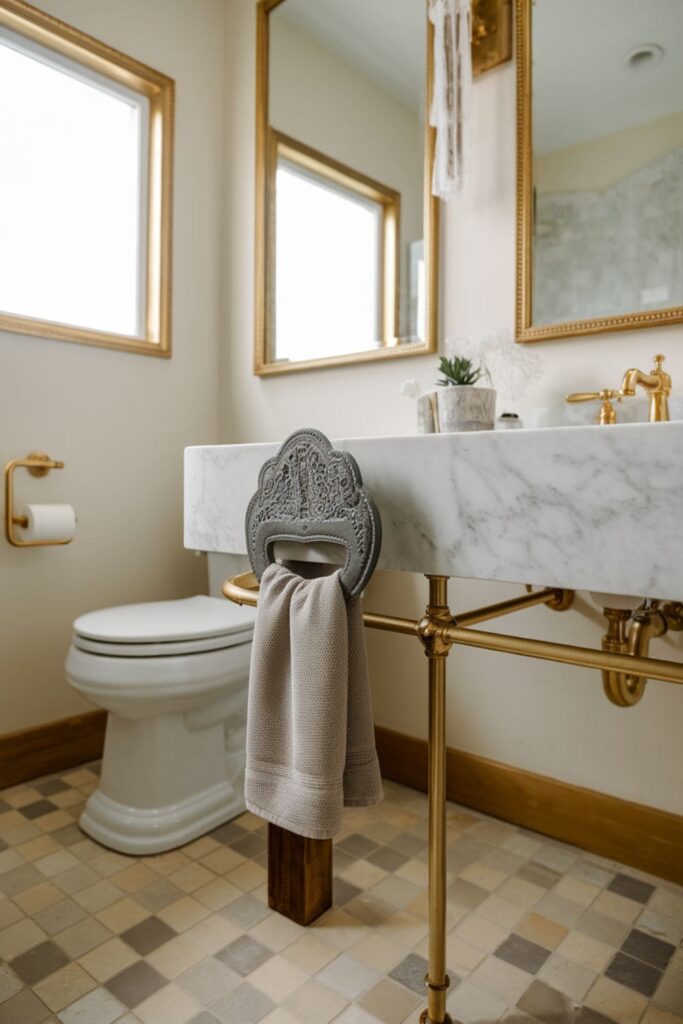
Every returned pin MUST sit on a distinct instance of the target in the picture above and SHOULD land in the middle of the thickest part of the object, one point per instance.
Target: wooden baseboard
(30, 753)
(644, 837)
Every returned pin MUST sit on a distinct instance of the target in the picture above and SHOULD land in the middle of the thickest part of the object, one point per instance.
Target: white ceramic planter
(465, 407)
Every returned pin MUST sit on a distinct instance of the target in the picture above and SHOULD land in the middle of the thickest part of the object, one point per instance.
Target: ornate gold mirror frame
(264, 275)
(526, 330)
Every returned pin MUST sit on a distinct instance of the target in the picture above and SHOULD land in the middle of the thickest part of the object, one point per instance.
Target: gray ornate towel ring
(310, 492)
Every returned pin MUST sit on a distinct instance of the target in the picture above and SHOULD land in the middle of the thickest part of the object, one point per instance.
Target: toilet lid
(169, 622)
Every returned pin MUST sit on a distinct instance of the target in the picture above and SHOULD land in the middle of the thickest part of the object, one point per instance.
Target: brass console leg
(436, 650)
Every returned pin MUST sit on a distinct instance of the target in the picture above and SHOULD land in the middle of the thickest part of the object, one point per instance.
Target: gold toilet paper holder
(38, 464)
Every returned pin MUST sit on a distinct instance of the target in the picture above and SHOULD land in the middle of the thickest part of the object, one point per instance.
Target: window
(85, 182)
(335, 236)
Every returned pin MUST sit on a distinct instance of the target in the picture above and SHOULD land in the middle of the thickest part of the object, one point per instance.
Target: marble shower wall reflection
(578, 232)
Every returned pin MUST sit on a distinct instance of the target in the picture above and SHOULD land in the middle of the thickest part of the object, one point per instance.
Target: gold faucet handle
(607, 414)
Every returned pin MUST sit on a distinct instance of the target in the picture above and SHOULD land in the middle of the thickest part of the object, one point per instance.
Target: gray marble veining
(591, 508)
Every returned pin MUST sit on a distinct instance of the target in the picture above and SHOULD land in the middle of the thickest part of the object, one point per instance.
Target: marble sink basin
(575, 507)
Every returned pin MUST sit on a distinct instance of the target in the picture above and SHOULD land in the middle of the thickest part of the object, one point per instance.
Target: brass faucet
(657, 384)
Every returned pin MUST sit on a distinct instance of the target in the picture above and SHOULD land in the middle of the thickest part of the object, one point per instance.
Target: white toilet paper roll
(47, 522)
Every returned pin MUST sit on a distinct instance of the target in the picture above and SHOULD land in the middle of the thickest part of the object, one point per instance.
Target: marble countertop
(590, 508)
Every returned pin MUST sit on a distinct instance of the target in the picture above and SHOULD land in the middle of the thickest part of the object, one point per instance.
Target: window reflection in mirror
(347, 273)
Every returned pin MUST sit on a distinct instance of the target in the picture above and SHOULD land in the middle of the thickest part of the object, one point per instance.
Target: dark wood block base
(299, 875)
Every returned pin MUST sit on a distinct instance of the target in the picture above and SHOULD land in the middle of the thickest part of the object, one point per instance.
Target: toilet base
(144, 831)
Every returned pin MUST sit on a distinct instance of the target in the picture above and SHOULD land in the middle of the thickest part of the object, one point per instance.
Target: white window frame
(59, 45)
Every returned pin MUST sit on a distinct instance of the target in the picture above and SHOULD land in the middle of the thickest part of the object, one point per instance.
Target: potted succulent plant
(461, 405)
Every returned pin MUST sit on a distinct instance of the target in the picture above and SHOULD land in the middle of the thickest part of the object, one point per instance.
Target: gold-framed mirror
(346, 225)
(599, 166)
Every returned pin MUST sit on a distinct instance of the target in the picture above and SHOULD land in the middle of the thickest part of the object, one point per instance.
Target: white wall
(550, 719)
(119, 421)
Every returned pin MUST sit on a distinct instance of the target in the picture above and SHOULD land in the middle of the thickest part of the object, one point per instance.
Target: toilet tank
(221, 566)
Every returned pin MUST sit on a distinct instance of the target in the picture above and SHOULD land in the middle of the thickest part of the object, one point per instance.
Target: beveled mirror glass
(600, 166)
(346, 227)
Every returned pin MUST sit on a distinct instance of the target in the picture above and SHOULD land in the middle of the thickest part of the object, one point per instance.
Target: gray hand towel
(310, 738)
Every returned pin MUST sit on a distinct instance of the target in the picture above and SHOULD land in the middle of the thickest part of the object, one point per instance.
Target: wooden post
(299, 875)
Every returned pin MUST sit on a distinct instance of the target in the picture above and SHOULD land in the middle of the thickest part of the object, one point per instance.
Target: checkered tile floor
(538, 931)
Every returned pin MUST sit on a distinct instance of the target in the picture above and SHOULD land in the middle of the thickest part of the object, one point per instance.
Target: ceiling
(384, 40)
(583, 87)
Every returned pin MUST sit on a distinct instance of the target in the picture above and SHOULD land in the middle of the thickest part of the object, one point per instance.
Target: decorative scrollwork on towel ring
(311, 492)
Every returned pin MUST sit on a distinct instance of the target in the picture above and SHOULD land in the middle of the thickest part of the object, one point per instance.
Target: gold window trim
(525, 330)
(281, 146)
(94, 55)
(263, 313)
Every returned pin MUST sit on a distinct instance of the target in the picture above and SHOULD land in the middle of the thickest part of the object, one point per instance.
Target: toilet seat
(164, 628)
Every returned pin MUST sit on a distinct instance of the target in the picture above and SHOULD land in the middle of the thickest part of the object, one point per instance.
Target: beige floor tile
(39, 896)
(404, 928)
(310, 953)
(502, 912)
(9, 913)
(122, 915)
(54, 863)
(222, 860)
(64, 987)
(277, 932)
(79, 777)
(217, 894)
(669, 993)
(462, 955)
(212, 934)
(584, 950)
(249, 821)
(81, 937)
(9, 860)
(175, 957)
(96, 1007)
(108, 959)
(108, 863)
(67, 799)
(481, 933)
(615, 1001)
(184, 913)
(201, 847)
(482, 875)
(397, 892)
(247, 876)
(613, 905)
(19, 937)
(340, 929)
(415, 871)
(55, 820)
(98, 896)
(363, 874)
(656, 1015)
(171, 1005)
(389, 1002)
(517, 890)
(278, 978)
(502, 979)
(576, 891)
(167, 863)
(191, 877)
(314, 1003)
(541, 930)
(566, 976)
(21, 796)
(280, 1016)
(469, 1004)
(133, 877)
(34, 849)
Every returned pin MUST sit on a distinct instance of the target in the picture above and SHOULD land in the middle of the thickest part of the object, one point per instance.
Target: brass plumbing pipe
(649, 622)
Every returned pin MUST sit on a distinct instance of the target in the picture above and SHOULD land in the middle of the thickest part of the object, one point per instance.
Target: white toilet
(173, 676)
